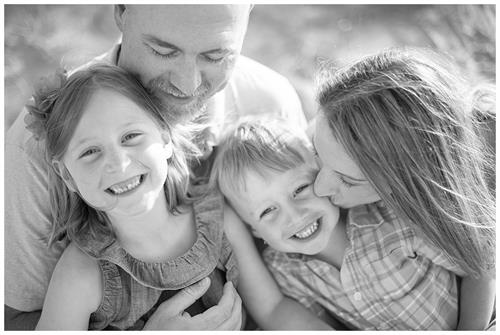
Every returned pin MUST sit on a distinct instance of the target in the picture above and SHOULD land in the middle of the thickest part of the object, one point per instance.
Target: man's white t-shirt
(252, 90)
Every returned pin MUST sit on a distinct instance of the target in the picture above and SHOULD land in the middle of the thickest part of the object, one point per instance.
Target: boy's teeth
(307, 231)
(126, 185)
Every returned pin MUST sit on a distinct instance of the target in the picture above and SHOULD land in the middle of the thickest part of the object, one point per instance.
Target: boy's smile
(282, 208)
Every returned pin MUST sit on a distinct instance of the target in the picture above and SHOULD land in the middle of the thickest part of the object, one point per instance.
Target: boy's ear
(255, 232)
(63, 172)
(168, 146)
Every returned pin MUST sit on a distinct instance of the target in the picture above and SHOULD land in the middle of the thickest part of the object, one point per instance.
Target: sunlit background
(291, 39)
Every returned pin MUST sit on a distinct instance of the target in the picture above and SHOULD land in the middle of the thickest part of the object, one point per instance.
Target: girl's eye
(266, 212)
(89, 152)
(300, 189)
(130, 136)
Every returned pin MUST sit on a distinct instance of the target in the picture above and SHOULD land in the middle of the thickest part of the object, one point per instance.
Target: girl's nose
(325, 186)
(117, 160)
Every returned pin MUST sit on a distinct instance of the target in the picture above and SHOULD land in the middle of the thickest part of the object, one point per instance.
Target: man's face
(183, 53)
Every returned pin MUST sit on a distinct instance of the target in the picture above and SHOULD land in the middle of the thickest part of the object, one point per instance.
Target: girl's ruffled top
(132, 287)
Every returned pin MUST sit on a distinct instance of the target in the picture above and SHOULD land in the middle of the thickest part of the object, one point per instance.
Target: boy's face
(281, 208)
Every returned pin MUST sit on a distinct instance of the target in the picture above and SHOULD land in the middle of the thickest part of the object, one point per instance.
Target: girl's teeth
(307, 231)
(131, 184)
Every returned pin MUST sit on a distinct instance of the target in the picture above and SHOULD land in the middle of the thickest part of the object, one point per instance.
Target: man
(189, 56)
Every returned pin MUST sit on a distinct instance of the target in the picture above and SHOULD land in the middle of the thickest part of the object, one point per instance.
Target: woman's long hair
(71, 214)
(411, 122)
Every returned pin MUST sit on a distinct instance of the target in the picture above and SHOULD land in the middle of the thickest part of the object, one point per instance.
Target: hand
(170, 315)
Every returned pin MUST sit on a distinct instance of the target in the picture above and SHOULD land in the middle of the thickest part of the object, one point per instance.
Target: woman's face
(339, 178)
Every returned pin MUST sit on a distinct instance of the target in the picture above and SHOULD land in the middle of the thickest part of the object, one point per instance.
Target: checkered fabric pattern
(390, 278)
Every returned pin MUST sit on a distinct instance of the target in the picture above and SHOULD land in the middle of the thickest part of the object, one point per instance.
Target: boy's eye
(300, 189)
(266, 212)
(89, 152)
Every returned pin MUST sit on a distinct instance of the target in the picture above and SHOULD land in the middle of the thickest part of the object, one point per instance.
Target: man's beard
(175, 112)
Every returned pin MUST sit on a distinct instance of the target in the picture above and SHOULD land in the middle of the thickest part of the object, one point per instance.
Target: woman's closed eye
(346, 183)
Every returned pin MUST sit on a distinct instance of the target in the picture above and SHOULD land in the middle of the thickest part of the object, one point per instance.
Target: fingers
(235, 319)
(226, 314)
(185, 298)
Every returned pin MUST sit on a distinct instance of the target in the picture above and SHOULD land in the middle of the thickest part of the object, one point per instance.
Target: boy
(266, 171)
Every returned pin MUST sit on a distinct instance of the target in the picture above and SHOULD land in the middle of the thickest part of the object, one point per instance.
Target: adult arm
(477, 300)
(260, 293)
(29, 261)
(19, 320)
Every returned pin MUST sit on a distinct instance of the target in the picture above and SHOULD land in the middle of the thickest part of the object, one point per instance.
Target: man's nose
(117, 160)
(325, 186)
(186, 77)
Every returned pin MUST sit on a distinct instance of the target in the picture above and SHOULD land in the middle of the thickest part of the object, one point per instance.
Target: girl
(402, 129)
(119, 192)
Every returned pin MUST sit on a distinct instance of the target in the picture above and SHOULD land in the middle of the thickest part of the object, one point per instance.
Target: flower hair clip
(42, 102)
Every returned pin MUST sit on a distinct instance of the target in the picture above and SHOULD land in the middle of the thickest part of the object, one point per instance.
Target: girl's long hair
(71, 214)
(410, 121)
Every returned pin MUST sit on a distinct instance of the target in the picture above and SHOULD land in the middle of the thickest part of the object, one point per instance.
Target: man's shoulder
(254, 75)
(255, 89)
(109, 57)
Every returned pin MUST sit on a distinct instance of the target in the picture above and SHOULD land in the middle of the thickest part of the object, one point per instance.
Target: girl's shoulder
(77, 272)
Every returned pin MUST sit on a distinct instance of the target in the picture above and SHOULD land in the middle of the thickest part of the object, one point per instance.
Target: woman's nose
(117, 160)
(325, 186)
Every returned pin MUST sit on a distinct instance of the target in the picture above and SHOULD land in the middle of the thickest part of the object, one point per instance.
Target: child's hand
(170, 315)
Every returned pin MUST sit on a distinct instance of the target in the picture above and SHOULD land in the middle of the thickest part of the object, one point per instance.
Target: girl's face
(117, 157)
(340, 178)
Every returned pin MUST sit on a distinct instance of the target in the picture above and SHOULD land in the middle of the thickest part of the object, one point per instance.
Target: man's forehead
(192, 15)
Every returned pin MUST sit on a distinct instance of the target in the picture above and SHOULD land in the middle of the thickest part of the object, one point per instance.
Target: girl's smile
(126, 186)
(117, 155)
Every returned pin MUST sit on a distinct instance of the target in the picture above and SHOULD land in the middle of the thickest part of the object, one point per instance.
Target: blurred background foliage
(291, 39)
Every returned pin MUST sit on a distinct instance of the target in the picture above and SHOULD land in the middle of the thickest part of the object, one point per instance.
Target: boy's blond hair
(259, 145)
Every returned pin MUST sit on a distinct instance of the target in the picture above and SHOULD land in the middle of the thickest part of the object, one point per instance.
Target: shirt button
(357, 296)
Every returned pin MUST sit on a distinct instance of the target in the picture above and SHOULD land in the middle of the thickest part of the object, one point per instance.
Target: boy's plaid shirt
(390, 278)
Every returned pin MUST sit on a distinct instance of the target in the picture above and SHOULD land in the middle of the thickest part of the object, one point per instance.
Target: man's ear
(120, 16)
(168, 146)
(63, 172)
